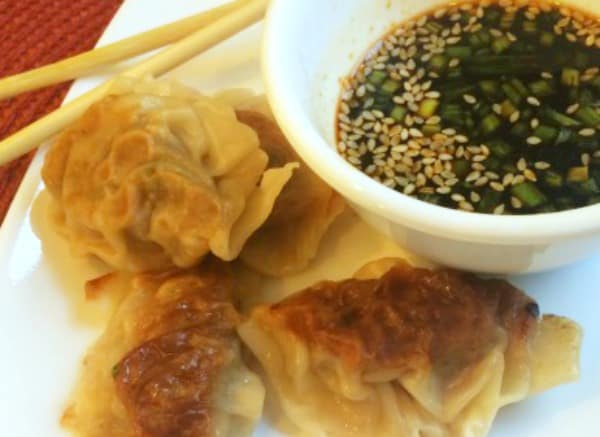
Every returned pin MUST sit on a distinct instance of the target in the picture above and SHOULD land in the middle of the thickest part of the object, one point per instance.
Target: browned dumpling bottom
(405, 351)
(169, 364)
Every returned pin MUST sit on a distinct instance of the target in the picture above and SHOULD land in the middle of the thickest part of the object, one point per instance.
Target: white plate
(45, 326)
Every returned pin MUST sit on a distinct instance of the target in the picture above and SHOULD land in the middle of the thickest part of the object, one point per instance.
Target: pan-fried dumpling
(408, 352)
(153, 177)
(168, 364)
(304, 210)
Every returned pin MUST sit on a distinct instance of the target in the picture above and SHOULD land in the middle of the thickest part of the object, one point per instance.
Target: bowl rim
(371, 195)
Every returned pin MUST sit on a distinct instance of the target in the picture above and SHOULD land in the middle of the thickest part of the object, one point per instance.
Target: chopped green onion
(428, 107)
(570, 77)
(507, 108)
(455, 73)
(438, 62)
(398, 113)
(512, 93)
(489, 201)
(520, 87)
(499, 148)
(390, 86)
(431, 129)
(578, 174)
(377, 77)
(553, 179)
(529, 26)
(559, 118)
(529, 194)
(542, 88)
(520, 130)
(493, 163)
(481, 109)
(489, 87)
(500, 45)
(546, 133)
(547, 39)
(461, 167)
(460, 52)
(490, 124)
(588, 116)
(564, 136)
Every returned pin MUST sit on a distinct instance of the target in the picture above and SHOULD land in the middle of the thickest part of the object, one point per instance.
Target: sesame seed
(497, 186)
(499, 210)
(481, 181)
(507, 179)
(409, 189)
(534, 141)
(585, 159)
(573, 108)
(533, 101)
(521, 164)
(587, 132)
(471, 100)
(542, 165)
(475, 197)
(474, 175)
(518, 179)
(529, 174)
(516, 202)
(534, 123)
(443, 190)
(455, 62)
(514, 117)
(466, 206)
(461, 139)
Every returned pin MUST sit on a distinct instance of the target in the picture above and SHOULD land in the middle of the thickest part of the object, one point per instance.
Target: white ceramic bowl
(309, 45)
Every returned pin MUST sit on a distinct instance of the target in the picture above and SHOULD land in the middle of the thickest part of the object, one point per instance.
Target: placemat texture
(34, 33)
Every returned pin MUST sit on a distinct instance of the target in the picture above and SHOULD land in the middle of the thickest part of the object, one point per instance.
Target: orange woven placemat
(35, 33)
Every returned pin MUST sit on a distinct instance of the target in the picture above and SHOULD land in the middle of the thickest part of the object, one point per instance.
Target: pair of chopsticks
(188, 38)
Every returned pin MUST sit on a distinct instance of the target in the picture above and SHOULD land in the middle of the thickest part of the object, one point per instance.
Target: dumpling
(156, 176)
(303, 212)
(168, 364)
(408, 352)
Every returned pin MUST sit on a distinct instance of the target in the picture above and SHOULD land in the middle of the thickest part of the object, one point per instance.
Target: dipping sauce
(482, 106)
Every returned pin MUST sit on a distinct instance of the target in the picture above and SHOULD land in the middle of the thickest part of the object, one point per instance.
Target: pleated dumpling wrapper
(403, 351)
(303, 212)
(156, 175)
(169, 362)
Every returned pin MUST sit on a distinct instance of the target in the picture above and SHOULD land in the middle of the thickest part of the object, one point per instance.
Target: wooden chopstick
(77, 66)
(27, 139)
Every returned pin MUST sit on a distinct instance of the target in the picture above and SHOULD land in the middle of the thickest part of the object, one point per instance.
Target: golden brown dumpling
(303, 212)
(408, 352)
(155, 177)
(169, 363)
